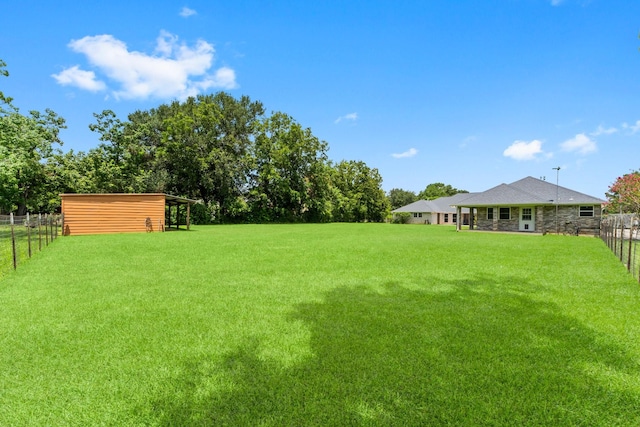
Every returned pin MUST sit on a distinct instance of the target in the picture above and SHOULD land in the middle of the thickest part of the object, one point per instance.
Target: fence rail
(621, 233)
(23, 236)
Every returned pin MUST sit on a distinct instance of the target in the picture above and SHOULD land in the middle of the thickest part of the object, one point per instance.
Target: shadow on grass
(475, 355)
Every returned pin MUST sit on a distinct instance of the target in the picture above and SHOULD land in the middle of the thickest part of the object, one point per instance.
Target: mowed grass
(22, 236)
(317, 325)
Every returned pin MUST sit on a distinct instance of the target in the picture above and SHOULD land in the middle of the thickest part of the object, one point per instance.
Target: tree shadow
(476, 354)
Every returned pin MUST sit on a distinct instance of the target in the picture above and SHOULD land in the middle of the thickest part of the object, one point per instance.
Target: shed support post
(458, 218)
(188, 216)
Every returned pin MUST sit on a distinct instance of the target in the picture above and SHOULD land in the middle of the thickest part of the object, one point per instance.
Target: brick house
(533, 205)
(438, 211)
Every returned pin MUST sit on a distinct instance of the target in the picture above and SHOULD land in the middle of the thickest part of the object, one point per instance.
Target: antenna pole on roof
(557, 169)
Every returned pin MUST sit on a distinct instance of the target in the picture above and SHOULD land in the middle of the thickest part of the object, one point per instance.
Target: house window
(505, 213)
(586, 211)
(526, 214)
(419, 214)
(415, 215)
(455, 217)
(446, 217)
(489, 213)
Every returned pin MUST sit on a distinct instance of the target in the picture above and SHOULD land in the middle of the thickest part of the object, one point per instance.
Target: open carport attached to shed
(118, 213)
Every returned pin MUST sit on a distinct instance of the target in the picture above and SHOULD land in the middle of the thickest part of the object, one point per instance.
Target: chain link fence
(22, 236)
(621, 235)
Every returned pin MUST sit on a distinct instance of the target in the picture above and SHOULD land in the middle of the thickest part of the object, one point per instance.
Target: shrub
(200, 214)
(401, 218)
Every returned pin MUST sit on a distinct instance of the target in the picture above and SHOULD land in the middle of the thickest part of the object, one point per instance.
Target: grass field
(319, 325)
(38, 237)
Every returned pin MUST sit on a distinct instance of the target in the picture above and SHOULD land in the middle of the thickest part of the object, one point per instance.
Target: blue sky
(469, 93)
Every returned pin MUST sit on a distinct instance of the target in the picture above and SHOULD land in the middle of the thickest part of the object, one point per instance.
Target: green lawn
(305, 325)
(39, 238)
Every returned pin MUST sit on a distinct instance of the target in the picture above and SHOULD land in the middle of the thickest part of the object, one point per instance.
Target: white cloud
(176, 70)
(225, 77)
(187, 12)
(634, 128)
(601, 130)
(165, 43)
(74, 76)
(350, 116)
(580, 143)
(409, 153)
(523, 150)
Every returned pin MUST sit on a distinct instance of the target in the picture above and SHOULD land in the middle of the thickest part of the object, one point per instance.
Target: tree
(205, 149)
(357, 194)
(438, 189)
(4, 100)
(27, 145)
(624, 194)
(399, 197)
(290, 182)
(117, 164)
(198, 148)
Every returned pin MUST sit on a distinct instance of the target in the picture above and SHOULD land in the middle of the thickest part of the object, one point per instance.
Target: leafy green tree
(116, 165)
(5, 101)
(27, 145)
(438, 189)
(205, 150)
(198, 148)
(358, 196)
(290, 181)
(399, 197)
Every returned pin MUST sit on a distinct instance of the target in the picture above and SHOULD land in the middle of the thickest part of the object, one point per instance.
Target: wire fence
(621, 235)
(22, 236)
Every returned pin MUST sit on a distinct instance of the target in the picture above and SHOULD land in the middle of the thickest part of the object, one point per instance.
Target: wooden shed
(118, 213)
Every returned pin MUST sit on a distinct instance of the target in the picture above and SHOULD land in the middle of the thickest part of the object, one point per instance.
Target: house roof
(445, 204)
(528, 191)
(442, 205)
(419, 206)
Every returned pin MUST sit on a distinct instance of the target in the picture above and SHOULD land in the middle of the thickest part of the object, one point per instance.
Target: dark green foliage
(243, 166)
(290, 179)
(27, 146)
(357, 195)
(205, 148)
(399, 197)
(401, 217)
(201, 214)
(438, 189)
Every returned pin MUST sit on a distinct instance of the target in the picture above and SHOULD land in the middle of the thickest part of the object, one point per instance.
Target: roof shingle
(528, 191)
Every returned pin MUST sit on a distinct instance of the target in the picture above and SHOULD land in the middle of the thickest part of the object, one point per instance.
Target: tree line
(244, 165)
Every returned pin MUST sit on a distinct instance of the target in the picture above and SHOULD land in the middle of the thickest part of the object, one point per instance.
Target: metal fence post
(13, 241)
(39, 232)
(622, 239)
(29, 234)
(46, 229)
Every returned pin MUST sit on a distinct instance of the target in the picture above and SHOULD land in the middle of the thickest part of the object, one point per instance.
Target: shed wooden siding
(111, 213)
